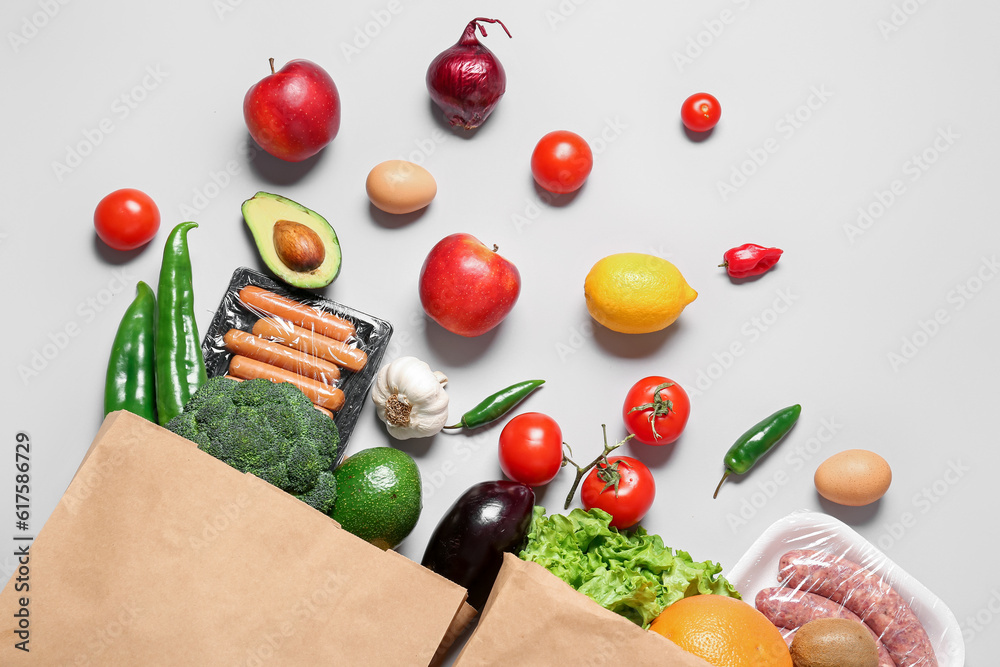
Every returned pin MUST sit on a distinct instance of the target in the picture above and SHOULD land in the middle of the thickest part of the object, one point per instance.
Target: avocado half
(295, 242)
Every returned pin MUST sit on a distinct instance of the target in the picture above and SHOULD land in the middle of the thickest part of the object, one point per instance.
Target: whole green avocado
(378, 495)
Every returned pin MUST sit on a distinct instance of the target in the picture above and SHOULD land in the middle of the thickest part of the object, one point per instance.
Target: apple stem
(495, 247)
(271, 61)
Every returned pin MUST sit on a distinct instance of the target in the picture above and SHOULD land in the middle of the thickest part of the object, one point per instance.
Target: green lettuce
(631, 573)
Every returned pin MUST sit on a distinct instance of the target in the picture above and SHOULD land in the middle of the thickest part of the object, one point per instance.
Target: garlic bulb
(410, 398)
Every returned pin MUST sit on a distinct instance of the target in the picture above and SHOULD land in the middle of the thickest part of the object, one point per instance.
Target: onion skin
(466, 80)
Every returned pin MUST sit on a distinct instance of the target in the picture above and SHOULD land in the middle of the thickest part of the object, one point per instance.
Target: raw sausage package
(534, 619)
(810, 565)
(159, 554)
(330, 351)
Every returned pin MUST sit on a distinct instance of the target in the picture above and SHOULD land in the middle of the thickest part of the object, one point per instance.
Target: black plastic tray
(372, 336)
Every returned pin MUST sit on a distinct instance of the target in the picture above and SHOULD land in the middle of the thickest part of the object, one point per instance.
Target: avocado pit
(298, 247)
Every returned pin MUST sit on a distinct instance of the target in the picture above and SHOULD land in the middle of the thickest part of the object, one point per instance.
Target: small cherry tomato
(531, 449)
(561, 162)
(700, 112)
(126, 219)
(623, 487)
(656, 410)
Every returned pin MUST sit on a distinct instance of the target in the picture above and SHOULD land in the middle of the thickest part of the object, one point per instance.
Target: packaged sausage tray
(803, 560)
(332, 350)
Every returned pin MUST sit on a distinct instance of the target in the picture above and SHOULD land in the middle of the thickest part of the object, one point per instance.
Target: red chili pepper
(750, 259)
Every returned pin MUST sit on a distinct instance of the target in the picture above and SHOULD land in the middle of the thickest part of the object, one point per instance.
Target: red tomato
(126, 219)
(531, 449)
(561, 162)
(656, 410)
(634, 497)
(700, 112)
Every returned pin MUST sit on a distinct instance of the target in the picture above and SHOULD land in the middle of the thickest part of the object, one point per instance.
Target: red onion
(467, 80)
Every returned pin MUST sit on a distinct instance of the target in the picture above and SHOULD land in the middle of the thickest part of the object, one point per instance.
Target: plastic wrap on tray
(810, 565)
(266, 329)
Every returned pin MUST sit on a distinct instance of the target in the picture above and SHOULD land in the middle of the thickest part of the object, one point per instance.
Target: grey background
(884, 331)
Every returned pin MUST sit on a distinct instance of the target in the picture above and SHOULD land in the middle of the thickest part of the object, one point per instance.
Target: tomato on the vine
(126, 219)
(531, 449)
(623, 487)
(701, 112)
(561, 162)
(656, 410)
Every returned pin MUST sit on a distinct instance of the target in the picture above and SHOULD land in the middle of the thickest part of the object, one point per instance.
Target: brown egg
(853, 477)
(398, 186)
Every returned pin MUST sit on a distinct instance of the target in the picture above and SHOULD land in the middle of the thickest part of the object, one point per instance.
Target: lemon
(632, 292)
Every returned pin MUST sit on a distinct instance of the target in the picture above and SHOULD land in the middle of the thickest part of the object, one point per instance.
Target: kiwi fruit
(834, 642)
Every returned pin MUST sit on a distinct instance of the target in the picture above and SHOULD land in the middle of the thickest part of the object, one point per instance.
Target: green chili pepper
(493, 407)
(130, 381)
(180, 366)
(752, 445)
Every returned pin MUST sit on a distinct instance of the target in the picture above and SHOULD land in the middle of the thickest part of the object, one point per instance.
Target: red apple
(466, 287)
(294, 112)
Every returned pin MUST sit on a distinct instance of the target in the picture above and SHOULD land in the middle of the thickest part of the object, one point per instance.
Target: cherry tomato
(531, 449)
(561, 162)
(656, 410)
(700, 112)
(634, 496)
(126, 219)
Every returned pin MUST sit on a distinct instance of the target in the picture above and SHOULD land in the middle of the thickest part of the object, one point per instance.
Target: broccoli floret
(251, 393)
(304, 465)
(213, 388)
(286, 420)
(185, 426)
(323, 496)
(325, 432)
(249, 444)
(267, 429)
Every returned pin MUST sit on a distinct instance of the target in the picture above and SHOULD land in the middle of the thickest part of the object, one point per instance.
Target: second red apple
(467, 287)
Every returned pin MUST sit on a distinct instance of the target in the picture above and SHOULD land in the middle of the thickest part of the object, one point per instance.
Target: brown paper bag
(534, 618)
(158, 554)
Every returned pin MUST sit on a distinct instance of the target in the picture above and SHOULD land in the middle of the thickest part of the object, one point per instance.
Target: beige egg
(398, 186)
(853, 477)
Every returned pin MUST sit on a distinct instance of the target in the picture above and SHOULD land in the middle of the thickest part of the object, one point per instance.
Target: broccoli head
(323, 496)
(267, 429)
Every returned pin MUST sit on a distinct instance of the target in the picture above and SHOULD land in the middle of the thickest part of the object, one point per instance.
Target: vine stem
(581, 471)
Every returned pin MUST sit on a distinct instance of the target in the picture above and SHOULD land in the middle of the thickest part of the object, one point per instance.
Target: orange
(723, 631)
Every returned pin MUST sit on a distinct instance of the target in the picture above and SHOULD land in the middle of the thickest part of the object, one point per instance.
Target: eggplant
(469, 543)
